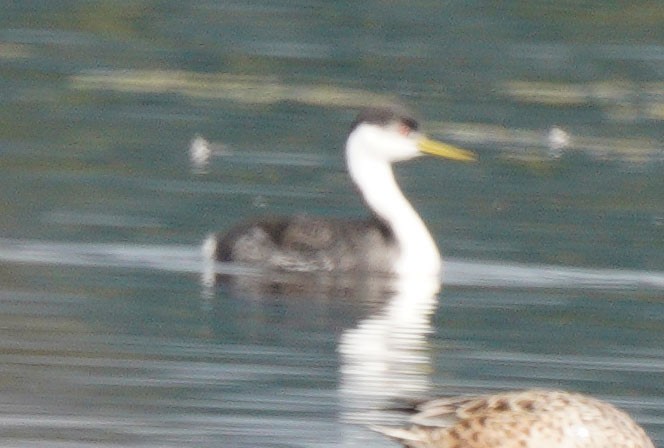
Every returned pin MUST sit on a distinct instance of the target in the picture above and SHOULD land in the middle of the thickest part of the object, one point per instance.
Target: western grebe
(393, 240)
(520, 419)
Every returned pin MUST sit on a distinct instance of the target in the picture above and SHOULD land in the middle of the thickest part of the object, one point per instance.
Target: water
(110, 335)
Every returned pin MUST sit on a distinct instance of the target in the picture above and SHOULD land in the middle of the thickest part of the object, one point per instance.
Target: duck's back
(521, 419)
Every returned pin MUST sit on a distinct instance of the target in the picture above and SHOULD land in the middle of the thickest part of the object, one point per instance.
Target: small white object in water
(201, 152)
(557, 140)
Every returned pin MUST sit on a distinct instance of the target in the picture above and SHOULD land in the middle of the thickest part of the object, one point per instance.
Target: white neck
(374, 177)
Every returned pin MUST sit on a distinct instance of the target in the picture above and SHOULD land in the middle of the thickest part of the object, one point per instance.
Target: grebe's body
(520, 419)
(393, 240)
(306, 243)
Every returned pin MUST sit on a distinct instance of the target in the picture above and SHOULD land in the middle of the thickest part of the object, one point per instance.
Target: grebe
(520, 419)
(394, 240)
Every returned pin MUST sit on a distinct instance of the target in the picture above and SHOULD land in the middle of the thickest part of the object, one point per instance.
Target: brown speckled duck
(519, 419)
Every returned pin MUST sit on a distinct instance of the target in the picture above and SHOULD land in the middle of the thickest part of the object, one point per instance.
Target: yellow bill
(440, 149)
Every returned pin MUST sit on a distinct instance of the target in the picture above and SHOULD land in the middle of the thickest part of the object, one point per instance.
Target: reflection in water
(129, 334)
(385, 357)
(242, 281)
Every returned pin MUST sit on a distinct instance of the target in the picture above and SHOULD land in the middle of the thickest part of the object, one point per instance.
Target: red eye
(404, 129)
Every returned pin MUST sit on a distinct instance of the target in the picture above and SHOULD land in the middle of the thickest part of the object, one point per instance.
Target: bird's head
(391, 134)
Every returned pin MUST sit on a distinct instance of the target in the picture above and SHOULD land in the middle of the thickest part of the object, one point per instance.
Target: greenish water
(554, 257)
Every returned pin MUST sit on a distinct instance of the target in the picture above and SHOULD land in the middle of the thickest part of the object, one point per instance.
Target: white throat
(374, 177)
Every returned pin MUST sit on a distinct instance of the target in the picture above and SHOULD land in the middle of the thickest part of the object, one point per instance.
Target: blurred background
(129, 130)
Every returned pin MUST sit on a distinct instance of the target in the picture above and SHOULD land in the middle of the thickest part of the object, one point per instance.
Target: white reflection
(386, 356)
